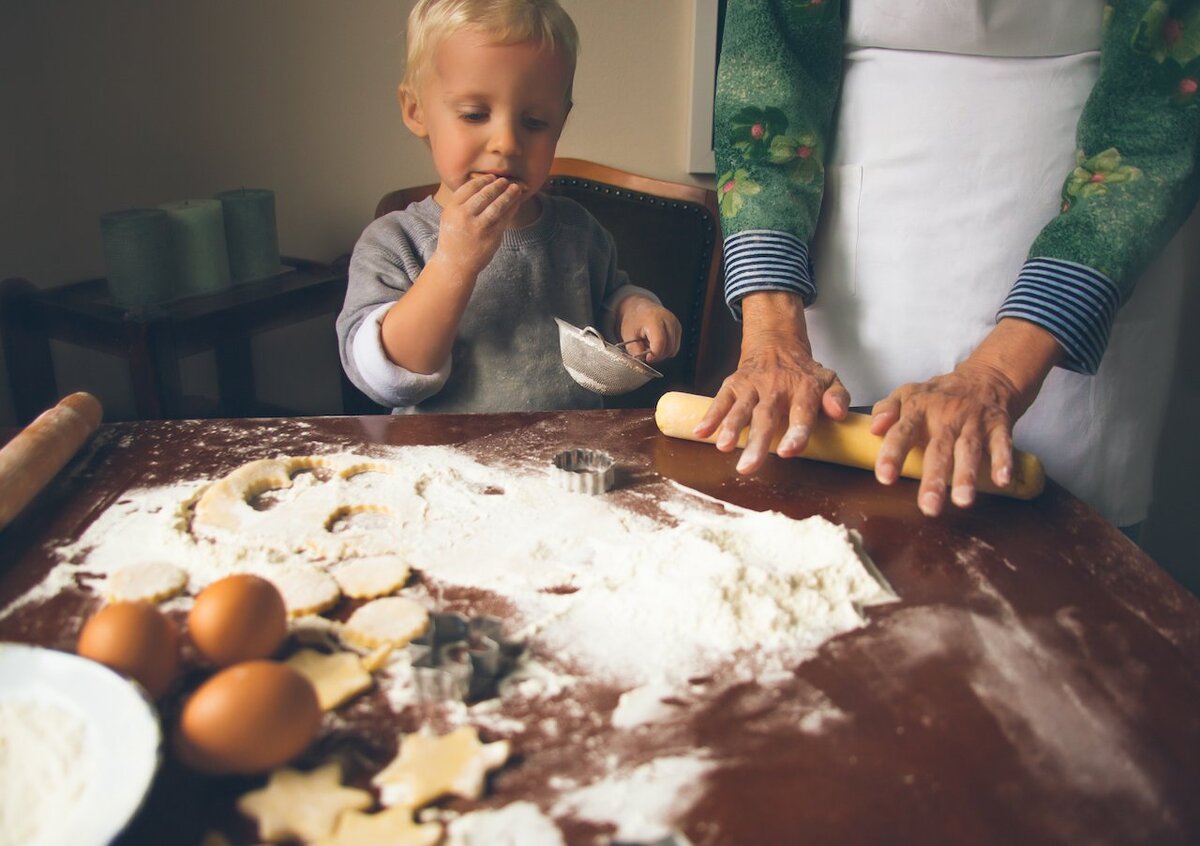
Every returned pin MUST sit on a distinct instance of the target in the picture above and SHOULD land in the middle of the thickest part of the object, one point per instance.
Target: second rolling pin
(31, 459)
(849, 442)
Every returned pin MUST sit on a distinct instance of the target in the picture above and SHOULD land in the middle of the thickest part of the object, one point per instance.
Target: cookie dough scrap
(357, 468)
(392, 620)
(394, 826)
(302, 805)
(430, 766)
(377, 659)
(225, 504)
(372, 576)
(337, 678)
(314, 630)
(145, 581)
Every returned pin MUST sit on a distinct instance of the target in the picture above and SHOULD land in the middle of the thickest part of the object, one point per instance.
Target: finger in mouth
(514, 180)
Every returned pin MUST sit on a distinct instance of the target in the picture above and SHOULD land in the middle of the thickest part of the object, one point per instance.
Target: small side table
(154, 338)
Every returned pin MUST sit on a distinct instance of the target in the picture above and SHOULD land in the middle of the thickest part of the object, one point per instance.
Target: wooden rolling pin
(30, 460)
(849, 442)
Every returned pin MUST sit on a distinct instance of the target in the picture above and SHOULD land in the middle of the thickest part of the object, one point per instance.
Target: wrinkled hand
(962, 416)
(777, 379)
(648, 328)
(958, 417)
(474, 220)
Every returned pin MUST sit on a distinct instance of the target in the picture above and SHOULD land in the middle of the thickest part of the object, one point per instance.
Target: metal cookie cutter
(460, 658)
(586, 471)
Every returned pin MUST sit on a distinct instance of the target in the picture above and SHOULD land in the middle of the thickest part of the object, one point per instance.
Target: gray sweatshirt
(506, 356)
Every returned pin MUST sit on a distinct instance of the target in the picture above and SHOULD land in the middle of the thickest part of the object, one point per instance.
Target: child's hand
(645, 325)
(474, 221)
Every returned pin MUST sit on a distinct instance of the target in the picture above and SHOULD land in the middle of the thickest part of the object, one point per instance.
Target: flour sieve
(598, 365)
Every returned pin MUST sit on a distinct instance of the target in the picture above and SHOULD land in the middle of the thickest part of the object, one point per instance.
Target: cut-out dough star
(395, 827)
(303, 805)
(430, 766)
(337, 678)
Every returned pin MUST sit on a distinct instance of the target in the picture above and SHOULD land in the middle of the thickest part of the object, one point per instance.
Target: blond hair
(542, 22)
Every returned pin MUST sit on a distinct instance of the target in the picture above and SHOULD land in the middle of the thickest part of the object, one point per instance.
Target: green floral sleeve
(777, 87)
(1138, 159)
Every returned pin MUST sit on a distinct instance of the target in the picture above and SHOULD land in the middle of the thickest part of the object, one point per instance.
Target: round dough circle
(392, 620)
(145, 581)
(375, 575)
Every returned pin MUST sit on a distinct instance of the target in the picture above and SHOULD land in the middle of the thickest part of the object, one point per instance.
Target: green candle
(137, 256)
(201, 260)
(250, 233)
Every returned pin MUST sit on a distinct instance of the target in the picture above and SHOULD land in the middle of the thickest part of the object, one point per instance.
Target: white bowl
(121, 737)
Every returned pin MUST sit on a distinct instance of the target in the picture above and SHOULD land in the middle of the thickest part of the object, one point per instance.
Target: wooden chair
(668, 240)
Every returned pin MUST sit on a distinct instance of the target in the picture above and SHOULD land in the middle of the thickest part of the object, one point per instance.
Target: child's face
(491, 108)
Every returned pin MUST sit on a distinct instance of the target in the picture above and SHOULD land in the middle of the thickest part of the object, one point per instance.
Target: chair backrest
(668, 240)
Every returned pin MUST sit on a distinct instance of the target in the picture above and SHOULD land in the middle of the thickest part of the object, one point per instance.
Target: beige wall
(127, 103)
(115, 103)
(133, 102)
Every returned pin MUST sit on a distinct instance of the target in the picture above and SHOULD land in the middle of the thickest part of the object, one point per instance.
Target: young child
(451, 302)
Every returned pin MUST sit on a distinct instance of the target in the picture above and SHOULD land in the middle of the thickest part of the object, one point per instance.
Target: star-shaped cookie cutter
(461, 658)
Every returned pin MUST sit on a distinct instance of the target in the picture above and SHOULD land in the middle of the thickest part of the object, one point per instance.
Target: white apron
(955, 133)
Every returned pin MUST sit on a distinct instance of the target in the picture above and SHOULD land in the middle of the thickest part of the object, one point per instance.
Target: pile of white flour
(628, 598)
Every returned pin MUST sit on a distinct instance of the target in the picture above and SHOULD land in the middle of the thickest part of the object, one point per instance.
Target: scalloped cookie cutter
(586, 471)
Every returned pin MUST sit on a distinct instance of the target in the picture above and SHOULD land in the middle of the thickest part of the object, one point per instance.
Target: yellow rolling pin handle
(849, 442)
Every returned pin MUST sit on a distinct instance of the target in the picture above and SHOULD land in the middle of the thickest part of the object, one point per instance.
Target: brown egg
(249, 718)
(136, 639)
(238, 618)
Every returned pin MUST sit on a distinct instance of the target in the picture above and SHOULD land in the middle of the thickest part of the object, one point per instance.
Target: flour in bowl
(43, 770)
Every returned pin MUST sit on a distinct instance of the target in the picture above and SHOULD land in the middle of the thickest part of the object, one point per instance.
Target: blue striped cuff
(1072, 302)
(765, 260)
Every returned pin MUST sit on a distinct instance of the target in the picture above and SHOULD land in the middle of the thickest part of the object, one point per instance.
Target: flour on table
(640, 800)
(517, 824)
(625, 597)
(641, 600)
(43, 772)
(650, 703)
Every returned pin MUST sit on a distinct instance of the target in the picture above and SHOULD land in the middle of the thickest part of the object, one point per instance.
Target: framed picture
(707, 16)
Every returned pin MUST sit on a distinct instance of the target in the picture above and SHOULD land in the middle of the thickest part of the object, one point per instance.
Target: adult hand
(648, 328)
(777, 380)
(474, 220)
(962, 416)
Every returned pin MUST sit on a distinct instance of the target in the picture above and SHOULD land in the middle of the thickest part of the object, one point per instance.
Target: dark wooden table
(152, 339)
(1038, 682)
